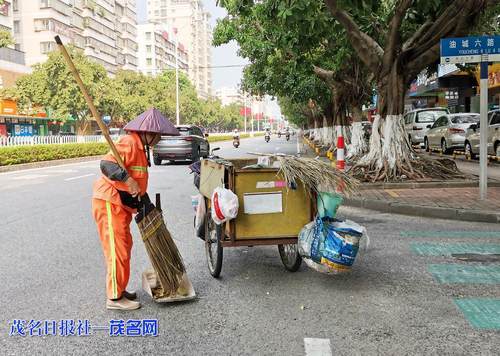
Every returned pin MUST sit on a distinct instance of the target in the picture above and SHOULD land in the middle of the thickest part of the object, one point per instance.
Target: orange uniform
(113, 218)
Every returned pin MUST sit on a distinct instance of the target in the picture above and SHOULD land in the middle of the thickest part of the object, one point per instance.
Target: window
(149, 61)
(465, 119)
(17, 27)
(428, 116)
(495, 120)
(442, 121)
(17, 46)
(148, 36)
(46, 47)
(148, 48)
(15, 5)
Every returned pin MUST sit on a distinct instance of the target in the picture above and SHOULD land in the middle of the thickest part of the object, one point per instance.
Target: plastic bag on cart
(330, 246)
(328, 204)
(199, 218)
(225, 205)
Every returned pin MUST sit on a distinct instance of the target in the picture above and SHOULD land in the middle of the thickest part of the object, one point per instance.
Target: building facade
(105, 30)
(194, 31)
(157, 50)
(231, 95)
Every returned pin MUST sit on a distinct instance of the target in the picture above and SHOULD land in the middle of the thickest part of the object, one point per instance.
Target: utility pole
(177, 115)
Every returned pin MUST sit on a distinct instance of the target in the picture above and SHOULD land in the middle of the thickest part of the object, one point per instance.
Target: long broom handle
(89, 101)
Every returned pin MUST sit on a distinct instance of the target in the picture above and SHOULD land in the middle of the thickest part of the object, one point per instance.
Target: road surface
(52, 268)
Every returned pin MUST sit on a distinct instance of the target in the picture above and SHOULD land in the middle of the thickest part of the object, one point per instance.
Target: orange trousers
(113, 225)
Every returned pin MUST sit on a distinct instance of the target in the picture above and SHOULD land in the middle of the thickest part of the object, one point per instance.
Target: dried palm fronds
(163, 253)
(315, 174)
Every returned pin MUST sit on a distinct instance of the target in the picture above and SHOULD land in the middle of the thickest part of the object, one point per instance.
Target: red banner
(245, 111)
(259, 116)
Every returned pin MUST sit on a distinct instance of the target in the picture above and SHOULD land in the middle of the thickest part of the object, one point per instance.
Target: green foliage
(51, 85)
(27, 154)
(5, 38)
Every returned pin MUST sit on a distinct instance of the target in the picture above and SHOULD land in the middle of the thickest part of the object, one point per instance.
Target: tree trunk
(358, 146)
(390, 154)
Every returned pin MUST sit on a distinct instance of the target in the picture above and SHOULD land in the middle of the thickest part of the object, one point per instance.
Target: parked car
(448, 131)
(191, 145)
(416, 122)
(472, 137)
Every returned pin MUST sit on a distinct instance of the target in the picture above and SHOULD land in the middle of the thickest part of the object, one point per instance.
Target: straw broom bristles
(315, 174)
(163, 253)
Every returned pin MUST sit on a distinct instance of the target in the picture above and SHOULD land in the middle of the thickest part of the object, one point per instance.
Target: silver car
(191, 145)
(416, 122)
(473, 136)
(448, 131)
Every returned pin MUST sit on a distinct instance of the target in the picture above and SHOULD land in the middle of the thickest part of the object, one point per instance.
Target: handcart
(270, 211)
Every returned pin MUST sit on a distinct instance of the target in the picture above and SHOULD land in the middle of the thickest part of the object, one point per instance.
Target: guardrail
(48, 140)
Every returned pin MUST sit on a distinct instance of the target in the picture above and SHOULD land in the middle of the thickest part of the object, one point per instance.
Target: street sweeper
(116, 197)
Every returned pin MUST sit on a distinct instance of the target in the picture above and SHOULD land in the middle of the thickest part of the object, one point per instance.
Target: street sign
(470, 49)
(482, 49)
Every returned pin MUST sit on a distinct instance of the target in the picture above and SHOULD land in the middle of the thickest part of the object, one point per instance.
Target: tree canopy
(123, 97)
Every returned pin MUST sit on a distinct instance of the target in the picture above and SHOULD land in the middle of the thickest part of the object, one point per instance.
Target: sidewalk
(454, 200)
(449, 203)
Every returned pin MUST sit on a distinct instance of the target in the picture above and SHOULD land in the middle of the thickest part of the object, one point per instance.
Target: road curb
(428, 185)
(424, 211)
(42, 164)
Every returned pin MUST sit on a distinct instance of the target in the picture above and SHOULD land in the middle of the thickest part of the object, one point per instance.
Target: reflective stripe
(139, 169)
(112, 249)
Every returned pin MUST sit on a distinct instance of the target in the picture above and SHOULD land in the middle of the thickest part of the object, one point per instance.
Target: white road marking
(84, 164)
(31, 176)
(317, 347)
(84, 176)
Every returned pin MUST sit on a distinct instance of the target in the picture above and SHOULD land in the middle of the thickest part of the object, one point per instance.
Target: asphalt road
(52, 268)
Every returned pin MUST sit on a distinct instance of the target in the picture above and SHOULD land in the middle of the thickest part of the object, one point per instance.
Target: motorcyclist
(267, 135)
(236, 134)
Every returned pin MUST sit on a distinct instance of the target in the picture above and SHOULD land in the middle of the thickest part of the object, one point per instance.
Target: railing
(48, 140)
(11, 55)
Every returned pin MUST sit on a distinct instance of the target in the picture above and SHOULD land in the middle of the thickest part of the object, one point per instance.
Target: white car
(473, 136)
(448, 131)
(417, 121)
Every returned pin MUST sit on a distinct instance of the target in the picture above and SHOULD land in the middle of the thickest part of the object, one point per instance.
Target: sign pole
(483, 132)
(245, 108)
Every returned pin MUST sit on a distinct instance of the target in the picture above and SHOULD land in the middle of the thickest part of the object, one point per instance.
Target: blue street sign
(470, 49)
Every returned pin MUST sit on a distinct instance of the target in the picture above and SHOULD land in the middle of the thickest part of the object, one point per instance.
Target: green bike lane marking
(481, 313)
(439, 249)
(452, 234)
(465, 274)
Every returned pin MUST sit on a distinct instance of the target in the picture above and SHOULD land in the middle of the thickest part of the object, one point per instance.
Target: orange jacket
(132, 152)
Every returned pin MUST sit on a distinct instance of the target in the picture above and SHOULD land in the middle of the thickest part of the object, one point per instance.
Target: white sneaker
(122, 304)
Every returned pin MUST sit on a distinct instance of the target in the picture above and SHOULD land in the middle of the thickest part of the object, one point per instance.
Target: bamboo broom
(162, 251)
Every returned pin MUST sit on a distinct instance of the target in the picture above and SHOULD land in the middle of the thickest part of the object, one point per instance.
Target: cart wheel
(290, 257)
(213, 246)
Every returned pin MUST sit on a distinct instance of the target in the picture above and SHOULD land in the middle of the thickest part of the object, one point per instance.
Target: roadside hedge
(38, 153)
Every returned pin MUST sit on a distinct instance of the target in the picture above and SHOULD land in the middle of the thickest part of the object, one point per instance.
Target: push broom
(162, 251)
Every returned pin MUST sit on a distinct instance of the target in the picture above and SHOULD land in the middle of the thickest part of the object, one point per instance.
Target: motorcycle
(236, 142)
(267, 137)
(288, 137)
(279, 134)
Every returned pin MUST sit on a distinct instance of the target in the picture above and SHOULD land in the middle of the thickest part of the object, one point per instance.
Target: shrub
(37, 153)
